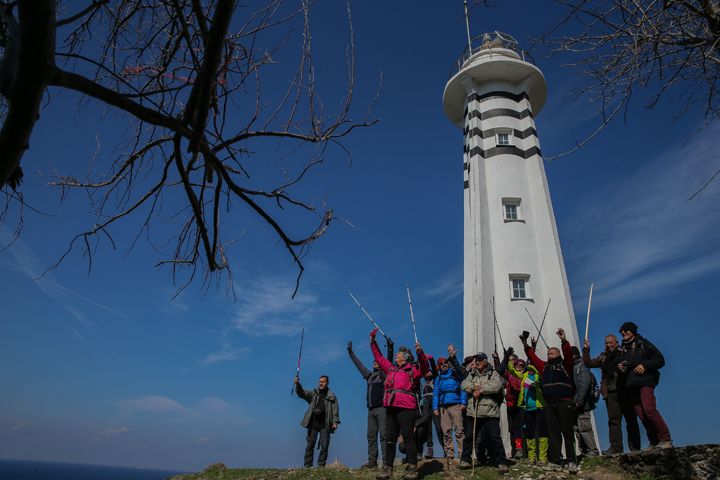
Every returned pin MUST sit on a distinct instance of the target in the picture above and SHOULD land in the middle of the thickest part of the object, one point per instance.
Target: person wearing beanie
(612, 393)
(558, 392)
(374, 399)
(531, 401)
(401, 404)
(639, 373)
(483, 386)
(449, 402)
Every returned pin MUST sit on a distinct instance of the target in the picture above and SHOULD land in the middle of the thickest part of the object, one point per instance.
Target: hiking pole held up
(412, 315)
(545, 314)
(297, 374)
(497, 326)
(538, 328)
(368, 315)
(587, 320)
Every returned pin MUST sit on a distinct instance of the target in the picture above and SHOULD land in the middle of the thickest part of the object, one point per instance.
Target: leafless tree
(662, 48)
(177, 70)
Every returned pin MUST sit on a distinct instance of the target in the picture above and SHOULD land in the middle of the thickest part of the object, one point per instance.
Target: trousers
(311, 439)
(560, 418)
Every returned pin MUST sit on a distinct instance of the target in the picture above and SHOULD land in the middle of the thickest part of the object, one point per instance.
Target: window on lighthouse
(519, 287)
(511, 209)
(503, 139)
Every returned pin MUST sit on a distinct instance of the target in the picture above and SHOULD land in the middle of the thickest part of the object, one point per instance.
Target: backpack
(594, 394)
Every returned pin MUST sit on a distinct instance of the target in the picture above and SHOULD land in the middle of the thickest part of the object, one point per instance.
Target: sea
(34, 470)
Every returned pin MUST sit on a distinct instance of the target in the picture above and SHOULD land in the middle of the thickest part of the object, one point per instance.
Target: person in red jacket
(558, 391)
(401, 404)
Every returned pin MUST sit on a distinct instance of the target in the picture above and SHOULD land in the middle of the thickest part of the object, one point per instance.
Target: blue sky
(108, 368)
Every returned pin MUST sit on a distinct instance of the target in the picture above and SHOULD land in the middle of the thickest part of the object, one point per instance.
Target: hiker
(322, 417)
(423, 426)
(585, 402)
(400, 403)
(449, 404)
(612, 393)
(639, 373)
(513, 386)
(428, 389)
(374, 399)
(484, 388)
(531, 401)
(558, 393)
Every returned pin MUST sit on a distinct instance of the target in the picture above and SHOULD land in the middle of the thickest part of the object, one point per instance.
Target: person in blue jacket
(449, 402)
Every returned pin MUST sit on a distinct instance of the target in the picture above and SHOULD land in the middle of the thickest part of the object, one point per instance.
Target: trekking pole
(297, 374)
(502, 344)
(538, 329)
(412, 315)
(545, 314)
(587, 320)
(474, 450)
(368, 315)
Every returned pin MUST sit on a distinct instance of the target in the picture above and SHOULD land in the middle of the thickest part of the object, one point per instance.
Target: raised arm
(422, 360)
(382, 361)
(301, 393)
(390, 349)
(358, 364)
(589, 361)
(452, 358)
(534, 359)
(567, 357)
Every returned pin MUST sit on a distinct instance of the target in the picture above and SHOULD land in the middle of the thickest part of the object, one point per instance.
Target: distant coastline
(44, 470)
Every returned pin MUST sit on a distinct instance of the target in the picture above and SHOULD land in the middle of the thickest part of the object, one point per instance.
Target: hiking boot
(503, 469)
(464, 465)
(369, 464)
(519, 454)
(553, 466)
(664, 444)
(572, 467)
(592, 453)
(429, 452)
(386, 473)
(411, 473)
(611, 451)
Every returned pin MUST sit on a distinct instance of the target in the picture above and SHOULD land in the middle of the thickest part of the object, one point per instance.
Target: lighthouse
(513, 263)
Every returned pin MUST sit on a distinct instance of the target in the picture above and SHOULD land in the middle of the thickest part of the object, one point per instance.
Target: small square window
(511, 210)
(503, 139)
(520, 287)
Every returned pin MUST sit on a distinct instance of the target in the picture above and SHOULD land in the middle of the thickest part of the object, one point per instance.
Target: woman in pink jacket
(402, 384)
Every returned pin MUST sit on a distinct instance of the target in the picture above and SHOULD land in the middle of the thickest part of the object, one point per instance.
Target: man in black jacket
(374, 398)
(639, 372)
(613, 393)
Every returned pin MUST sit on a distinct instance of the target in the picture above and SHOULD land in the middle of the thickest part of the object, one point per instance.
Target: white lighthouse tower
(512, 250)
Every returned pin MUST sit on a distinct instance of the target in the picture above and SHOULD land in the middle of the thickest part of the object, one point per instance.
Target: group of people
(548, 403)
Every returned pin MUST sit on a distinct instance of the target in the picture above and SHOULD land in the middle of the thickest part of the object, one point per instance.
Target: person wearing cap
(558, 391)
(449, 404)
(401, 404)
(531, 401)
(612, 392)
(374, 399)
(512, 392)
(639, 373)
(484, 388)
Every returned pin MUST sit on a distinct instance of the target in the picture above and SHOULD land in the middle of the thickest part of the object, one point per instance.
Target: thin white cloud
(267, 309)
(209, 410)
(641, 237)
(18, 426)
(151, 404)
(446, 288)
(225, 355)
(114, 431)
(25, 261)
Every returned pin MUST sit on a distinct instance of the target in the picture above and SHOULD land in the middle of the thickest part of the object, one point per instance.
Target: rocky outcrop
(695, 462)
